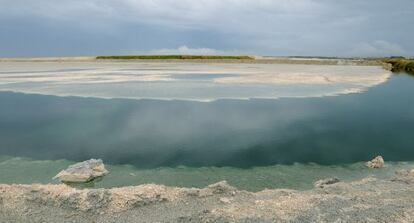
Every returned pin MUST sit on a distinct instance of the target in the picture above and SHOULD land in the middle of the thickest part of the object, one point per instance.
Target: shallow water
(296, 176)
(254, 144)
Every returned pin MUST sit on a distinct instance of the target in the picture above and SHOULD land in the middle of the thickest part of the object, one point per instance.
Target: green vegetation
(401, 65)
(174, 57)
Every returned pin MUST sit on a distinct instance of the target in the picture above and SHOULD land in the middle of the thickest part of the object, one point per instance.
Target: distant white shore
(191, 80)
(257, 59)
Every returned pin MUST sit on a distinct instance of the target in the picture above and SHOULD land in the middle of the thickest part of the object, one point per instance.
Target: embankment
(367, 200)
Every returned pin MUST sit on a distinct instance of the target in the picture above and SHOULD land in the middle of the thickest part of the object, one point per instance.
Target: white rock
(377, 162)
(324, 182)
(82, 172)
(221, 187)
(225, 200)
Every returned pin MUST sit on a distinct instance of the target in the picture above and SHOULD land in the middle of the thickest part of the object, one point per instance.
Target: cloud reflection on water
(152, 133)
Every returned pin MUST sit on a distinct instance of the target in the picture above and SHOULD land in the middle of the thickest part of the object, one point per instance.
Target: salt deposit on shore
(199, 81)
(367, 200)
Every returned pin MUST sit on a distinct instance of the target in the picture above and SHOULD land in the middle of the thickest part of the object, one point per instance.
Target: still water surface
(254, 144)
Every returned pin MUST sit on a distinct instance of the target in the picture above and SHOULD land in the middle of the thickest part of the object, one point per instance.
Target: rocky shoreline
(366, 200)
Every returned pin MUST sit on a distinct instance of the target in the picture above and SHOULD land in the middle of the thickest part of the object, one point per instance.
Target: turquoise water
(254, 144)
(295, 176)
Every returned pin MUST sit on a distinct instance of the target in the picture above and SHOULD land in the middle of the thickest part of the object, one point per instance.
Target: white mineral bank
(186, 81)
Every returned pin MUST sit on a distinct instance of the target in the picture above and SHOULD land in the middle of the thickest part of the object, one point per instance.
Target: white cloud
(378, 48)
(184, 50)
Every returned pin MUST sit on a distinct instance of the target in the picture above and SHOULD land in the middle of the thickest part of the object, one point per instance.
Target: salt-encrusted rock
(377, 162)
(82, 172)
(221, 187)
(324, 182)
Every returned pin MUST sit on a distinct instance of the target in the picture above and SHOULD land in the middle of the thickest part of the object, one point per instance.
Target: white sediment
(186, 81)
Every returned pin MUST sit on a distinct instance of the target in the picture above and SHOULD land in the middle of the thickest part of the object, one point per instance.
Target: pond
(254, 144)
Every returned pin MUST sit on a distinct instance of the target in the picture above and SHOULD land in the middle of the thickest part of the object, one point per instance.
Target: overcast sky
(263, 27)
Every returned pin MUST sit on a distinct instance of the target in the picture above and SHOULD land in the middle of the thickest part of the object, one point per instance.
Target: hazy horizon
(81, 57)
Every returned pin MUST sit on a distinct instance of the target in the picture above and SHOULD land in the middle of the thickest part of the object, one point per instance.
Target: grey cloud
(379, 48)
(271, 27)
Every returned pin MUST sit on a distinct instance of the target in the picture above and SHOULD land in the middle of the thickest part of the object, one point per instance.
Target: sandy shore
(367, 200)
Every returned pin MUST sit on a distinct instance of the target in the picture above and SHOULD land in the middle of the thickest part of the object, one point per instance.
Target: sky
(365, 28)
